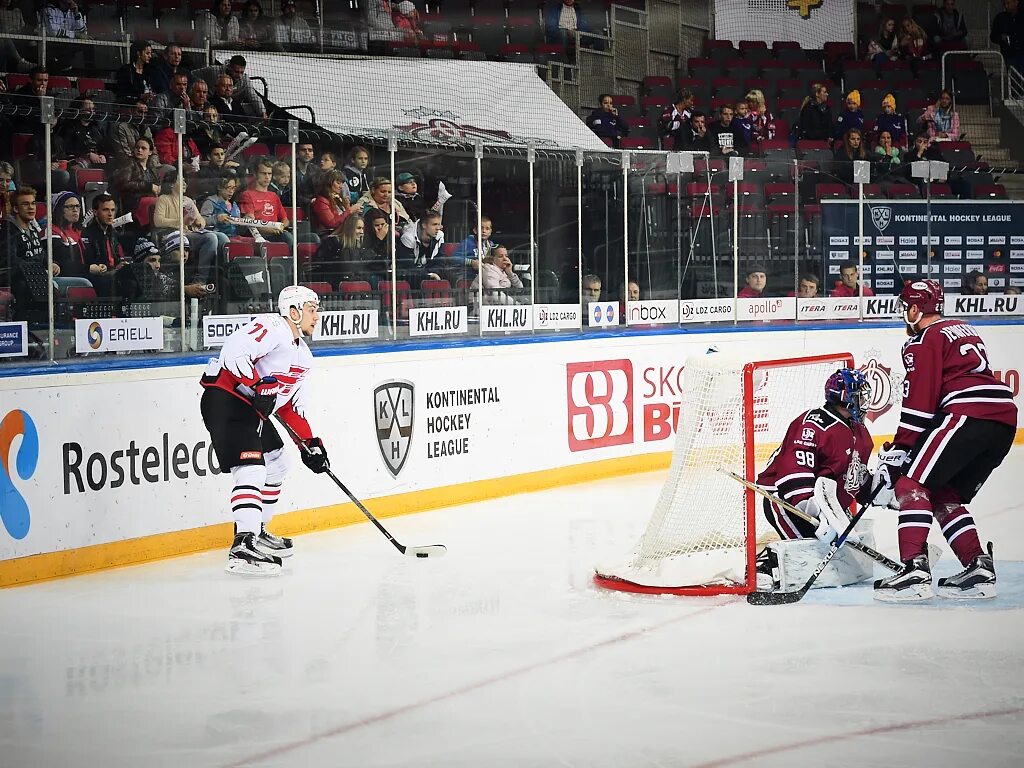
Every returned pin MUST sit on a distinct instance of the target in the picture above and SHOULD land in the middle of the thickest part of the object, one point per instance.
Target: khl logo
(13, 508)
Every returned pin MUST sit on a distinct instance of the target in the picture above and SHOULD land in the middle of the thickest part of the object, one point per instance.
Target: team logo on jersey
(807, 435)
(880, 380)
(856, 474)
(393, 403)
(881, 216)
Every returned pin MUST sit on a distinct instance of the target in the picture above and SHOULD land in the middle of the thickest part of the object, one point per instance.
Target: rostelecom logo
(13, 508)
(95, 335)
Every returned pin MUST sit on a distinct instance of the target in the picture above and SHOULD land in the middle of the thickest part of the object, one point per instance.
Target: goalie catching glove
(314, 455)
(891, 463)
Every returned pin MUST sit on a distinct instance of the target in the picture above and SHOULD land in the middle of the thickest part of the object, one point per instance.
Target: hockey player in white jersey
(261, 371)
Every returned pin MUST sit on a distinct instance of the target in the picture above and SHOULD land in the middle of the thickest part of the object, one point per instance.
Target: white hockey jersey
(263, 347)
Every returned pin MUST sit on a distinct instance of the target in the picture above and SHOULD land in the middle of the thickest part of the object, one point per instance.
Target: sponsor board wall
(103, 457)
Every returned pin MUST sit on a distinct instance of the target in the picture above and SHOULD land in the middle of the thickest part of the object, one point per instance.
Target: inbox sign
(599, 396)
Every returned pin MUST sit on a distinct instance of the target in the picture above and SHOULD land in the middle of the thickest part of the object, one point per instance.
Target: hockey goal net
(702, 535)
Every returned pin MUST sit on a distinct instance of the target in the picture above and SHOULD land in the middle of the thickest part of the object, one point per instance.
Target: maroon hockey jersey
(948, 372)
(819, 442)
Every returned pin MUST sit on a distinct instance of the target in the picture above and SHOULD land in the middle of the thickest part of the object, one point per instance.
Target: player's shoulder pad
(820, 418)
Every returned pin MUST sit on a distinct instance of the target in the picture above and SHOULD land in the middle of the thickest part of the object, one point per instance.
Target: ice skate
(767, 570)
(912, 584)
(975, 582)
(269, 544)
(244, 558)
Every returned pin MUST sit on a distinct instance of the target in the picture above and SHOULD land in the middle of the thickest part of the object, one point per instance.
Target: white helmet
(296, 296)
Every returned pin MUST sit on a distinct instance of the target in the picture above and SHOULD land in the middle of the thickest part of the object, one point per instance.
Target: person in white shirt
(260, 372)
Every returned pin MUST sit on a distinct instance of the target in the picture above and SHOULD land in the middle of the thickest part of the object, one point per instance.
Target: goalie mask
(850, 389)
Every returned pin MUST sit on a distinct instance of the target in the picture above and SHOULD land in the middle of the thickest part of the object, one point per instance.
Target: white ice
(505, 654)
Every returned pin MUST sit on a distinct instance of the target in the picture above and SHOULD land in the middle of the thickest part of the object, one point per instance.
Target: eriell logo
(95, 335)
(13, 508)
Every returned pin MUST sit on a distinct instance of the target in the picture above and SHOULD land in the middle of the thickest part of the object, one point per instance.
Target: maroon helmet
(926, 294)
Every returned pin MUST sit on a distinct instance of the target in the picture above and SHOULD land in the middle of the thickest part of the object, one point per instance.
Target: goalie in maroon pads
(829, 442)
(957, 424)
(261, 371)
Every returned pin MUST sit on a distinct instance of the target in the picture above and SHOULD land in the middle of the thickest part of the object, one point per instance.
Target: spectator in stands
(913, 43)
(807, 286)
(100, 246)
(673, 120)
(219, 26)
(166, 141)
(975, 284)
(887, 155)
(26, 96)
(605, 121)
(305, 170)
(355, 173)
(632, 290)
(421, 243)
(815, 121)
(328, 162)
(380, 197)
(851, 117)
(406, 19)
(342, 254)
(940, 119)
(224, 97)
(1008, 34)
(380, 22)
(761, 118)
(217, 208)
(132, 83)
(126, 132)
(12, 22)
(922, 150)
(62, 19)
(848, 284)
(852, 148)
(281, 182)
(499, 278)
(208, 246)
(1012, 290)
(742, 120)
(138, 178)
(756, 279)
(174, 98)
(253, 27)
(467, 250)
(950, 27)
(163, 68)
(67, 235)
(262, 204)
(244, 93)
(378, 224)
(330, 205)
(291, 29)
(208, 136)
(591, 288)
(725, 138)
(174, 251)
(892, 121)
(82, 137)
(695, 134)
(408, 195)
(562, 20)
(199, 95)
(6, 187)
(885, 46)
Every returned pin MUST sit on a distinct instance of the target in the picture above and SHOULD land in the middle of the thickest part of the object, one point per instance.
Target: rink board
(121, 471)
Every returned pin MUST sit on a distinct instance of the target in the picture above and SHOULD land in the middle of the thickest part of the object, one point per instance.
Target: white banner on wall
(437, 321)
(776, 308)
(706, 310)
(557, 316)
(217, 328)
(653, 312)
(991, 306)
(603, 313)
(347, 324)
(827, 309)
(508, 318)
(119, 334)
(812, 23)
(881, 307)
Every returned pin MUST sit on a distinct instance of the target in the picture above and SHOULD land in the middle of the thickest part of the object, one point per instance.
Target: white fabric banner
(557, 316)
(812, 23)
(501, 319)
(437, 321)
(119, 334)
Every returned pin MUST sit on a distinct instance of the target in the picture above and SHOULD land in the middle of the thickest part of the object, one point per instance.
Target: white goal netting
(733, 415)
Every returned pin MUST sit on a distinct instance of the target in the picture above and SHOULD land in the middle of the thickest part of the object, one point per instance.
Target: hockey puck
(421, 554)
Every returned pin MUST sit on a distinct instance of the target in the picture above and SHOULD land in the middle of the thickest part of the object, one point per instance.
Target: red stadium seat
(240, 248)
(351, 289)
(277, 251)
(321, 289)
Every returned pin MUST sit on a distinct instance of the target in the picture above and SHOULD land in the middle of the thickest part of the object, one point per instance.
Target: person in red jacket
(848, 285)
(957, 424)
(756, 279)
(330, 206)
(166, 141)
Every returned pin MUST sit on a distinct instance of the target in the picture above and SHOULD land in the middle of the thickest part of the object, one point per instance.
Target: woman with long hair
(815, 122)
(253, 28)
(913, 42)
(330, 205)
(852, 148)
(762, 121)
(342, 254)
(67, 235)
(941, 120)
(885, 46)
(220, 24)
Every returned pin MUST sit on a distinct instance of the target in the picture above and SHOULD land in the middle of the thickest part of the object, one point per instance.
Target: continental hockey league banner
(812, 23)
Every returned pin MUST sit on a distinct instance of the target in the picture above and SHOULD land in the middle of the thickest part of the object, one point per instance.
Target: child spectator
(674, 119)
(330, 206)
(467, 251)
(218, 207)
(892, 121)
(281, 183)
(941, 120)
(499, 278)
(815, 122)
(219, 166)
(355, 173)
(743, 121)
(851, 117)
(328, 162)
(756, 280)
(414, 202)
(762, 120)
(605, 121)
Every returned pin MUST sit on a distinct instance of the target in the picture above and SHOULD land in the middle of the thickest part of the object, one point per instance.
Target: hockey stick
(875, 555)
(431, 550)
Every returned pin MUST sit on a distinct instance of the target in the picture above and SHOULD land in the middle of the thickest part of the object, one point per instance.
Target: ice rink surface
(503, 653)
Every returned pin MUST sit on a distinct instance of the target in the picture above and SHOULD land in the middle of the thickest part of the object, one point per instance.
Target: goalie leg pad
(798, 558)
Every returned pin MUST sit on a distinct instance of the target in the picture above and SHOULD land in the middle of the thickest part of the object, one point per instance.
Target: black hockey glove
(265, 399)
(314, 455)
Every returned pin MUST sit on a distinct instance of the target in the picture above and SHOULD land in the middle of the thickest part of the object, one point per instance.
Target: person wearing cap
(196, 285)
(143, 280)
(289, 28)
(407, 19)
(892, 121)
(851, 117)
(756, 280)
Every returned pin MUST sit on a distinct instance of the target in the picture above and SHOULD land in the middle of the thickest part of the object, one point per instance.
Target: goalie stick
(431, 550)
(875, 555)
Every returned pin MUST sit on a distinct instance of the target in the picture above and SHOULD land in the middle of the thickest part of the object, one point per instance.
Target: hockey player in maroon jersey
(261, 371)
(824, 454)
(957, 425)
